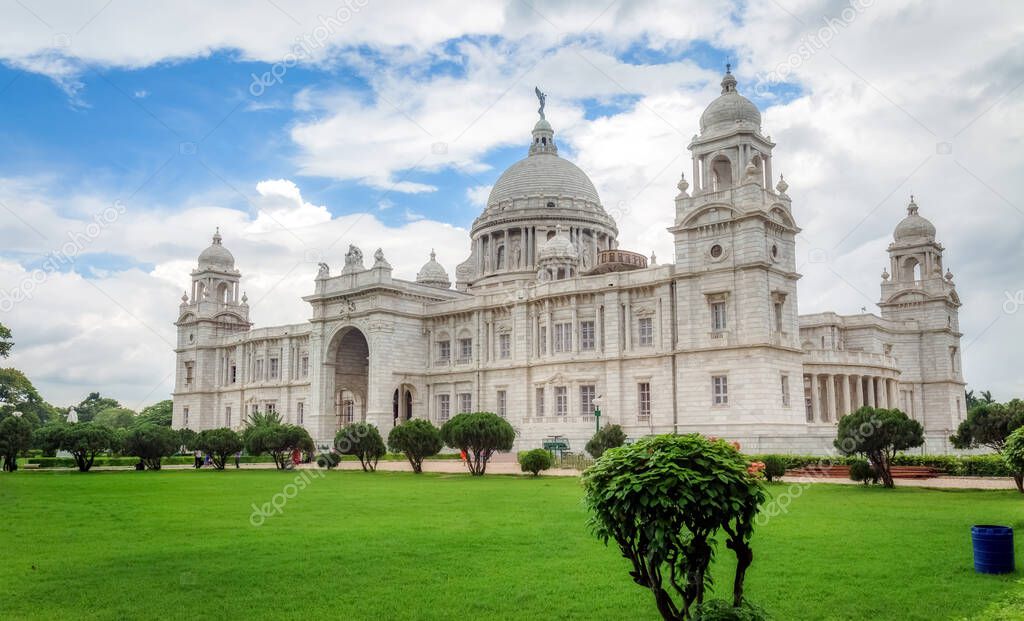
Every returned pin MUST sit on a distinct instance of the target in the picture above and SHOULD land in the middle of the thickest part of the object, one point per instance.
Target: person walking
(198, 456)
(238, 457)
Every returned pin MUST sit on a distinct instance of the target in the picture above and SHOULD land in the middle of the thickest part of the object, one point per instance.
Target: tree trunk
(1018, 478)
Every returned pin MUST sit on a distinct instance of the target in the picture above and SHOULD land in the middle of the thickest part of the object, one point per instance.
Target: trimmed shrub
(1013, 454)
(417, 439)
(15, 438)
(329, 460)
(362, 440)
(535, 460)
(85, 441)
(663, 500)
(861, 470)
(220, 444)
(722, 610)
(774, 467)
(607, 437)
(878, 434)
(150, 443)
(479, 435)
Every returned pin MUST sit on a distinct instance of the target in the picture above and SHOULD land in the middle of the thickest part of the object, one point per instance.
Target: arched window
(911, 269)
(501, 257)
(223, 293)
(721, 173)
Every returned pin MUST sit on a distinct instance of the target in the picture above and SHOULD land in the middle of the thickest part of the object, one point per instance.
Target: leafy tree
(417, 439)
(150, 443)
(48, 438)
(266, 434)
(15, 438)
(535, 460)
(16, 392)
(187, 438)
(116, 418)
(362, 440)
(85, 441)
(5, 341)
(220, 443)
(1013, 453)
(479, 435)
(988, 425)
(157, 414)
(878, 434)
(609, 436)
(93, 405)
(663, 500)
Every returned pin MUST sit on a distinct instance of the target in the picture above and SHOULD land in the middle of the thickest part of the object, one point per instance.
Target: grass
(113, 545)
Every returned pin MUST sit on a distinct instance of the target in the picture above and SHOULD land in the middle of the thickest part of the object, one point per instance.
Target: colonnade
(830, 396)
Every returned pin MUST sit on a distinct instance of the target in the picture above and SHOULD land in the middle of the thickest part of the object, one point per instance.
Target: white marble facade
(547, 313)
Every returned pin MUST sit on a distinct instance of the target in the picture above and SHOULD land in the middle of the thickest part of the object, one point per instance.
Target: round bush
(535, 460)
(774, 467)
(479, 435)
(417, 439)
(861, 470)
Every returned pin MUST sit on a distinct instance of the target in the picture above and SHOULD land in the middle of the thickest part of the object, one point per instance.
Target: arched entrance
(349, 354)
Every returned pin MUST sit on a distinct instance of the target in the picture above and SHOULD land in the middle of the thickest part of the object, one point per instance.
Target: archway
(349, 354)
(401, 404)
(721, 173)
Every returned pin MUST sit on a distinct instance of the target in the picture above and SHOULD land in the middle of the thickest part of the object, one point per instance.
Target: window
(465, 402)
(504, 345)
(233, 373)
(465, 350)
(348, 411)
(718, 316)
(785, 390)
(304, 366)
(254, 409)
(502, 404)
(300, 412)
(543, 340)
(259, 370)
(563, 337)
(540, 402)
(273, 368)
(561, 401)
(184, 414)
(716, 251)
(778, 316)
(227, 416)
(271, 407)
(444, 407)
(645, 331)
(189, 370)
(643, 390)
(587, 335)
(444, 351)
(587, 393)
(719, 390)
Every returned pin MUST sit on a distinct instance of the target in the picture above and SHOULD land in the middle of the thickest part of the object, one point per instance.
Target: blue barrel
(993, 549)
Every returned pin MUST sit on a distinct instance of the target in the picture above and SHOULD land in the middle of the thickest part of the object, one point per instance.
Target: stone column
(883, 393)
(695, 179)
(575, 327)
(830, 395)
(550, 330)
(871, 391)
(815, 399)
(847, 395)
(627, 316)
(894, 394)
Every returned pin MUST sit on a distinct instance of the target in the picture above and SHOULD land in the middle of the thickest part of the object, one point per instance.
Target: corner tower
(736, 278)
(918, 292)
(214, 308)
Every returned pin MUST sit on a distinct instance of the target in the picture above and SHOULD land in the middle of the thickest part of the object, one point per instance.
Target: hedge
(67, 462)
(952, 465)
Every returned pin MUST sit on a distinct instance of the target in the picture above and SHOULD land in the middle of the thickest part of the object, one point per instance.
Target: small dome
(558, 247)
(914, 226)
(729, 109)
(433, 274)
(216, 257)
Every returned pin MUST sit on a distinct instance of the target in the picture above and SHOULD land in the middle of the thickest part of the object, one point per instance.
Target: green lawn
(397, 546)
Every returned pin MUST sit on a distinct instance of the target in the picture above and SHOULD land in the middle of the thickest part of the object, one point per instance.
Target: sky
(130, 130)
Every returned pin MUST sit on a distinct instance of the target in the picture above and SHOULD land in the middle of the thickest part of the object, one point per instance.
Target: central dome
(543, 174)
(729, 109)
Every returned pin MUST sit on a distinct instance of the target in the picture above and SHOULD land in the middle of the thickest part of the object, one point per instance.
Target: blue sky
(151, 108)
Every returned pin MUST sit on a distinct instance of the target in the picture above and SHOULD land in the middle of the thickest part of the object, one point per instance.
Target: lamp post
(597, 401)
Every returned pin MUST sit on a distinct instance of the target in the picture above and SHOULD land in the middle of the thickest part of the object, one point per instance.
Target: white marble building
(547, 313)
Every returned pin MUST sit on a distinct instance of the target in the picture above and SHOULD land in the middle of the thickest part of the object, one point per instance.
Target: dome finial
(912, 207)
(433, 255)
(728, 81)
(216, 236)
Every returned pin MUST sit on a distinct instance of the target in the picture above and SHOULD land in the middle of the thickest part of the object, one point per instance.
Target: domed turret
(557, 258)
(216, 256)
(914, 226)
(729, 109)
(433, 274)
(558, 247)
